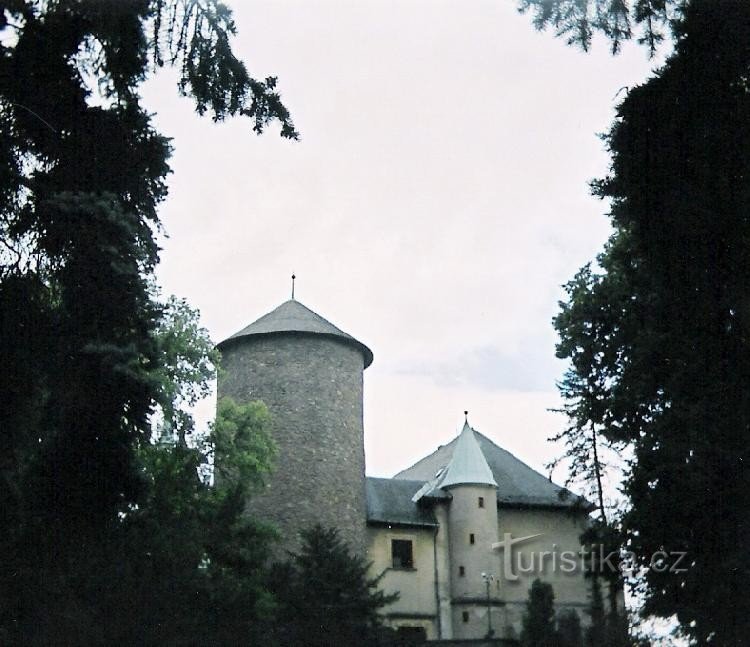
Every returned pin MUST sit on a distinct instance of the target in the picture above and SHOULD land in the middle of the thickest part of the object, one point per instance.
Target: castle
(461, 534)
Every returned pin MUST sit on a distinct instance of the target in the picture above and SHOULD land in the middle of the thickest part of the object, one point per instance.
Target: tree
(608, 626)
(325, 595)
(584, 442)
(606, 566)
(664, 320)
(539, 619)
(596, 633)
(569, 629)
(197, 562)
(184, 564)
(205, 559)
(577, 21)
(82, 171)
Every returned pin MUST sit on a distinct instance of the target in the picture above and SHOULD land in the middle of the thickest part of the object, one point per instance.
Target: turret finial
(293, 277)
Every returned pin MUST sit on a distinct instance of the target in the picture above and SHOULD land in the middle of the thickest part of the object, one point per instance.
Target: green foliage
(205, 558)
(578, 20)
(596, 633)
(82, 171)
(569, 632)
(539, 619)
(583, 440)
(186, 367)
(194, 36)
(97, 523)
(185, 564)
(618, 629)
(325, 595)
(657, 335)
(242, 450)
(608, 623)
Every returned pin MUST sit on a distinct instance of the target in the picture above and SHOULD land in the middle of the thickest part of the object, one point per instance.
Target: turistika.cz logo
(591, 558)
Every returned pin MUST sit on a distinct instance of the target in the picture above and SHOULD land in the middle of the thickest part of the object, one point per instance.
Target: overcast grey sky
(436, 202)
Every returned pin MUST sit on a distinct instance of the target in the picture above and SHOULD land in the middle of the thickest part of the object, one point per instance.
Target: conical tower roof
(468, 464)
(292, 317)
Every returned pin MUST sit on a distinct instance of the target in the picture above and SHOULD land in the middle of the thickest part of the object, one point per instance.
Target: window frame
(401, 566)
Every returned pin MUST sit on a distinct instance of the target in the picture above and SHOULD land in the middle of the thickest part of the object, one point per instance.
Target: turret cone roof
(468, 464)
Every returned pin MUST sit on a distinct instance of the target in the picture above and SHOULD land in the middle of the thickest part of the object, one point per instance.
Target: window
(471, 538)
(481, 501)
(418, 634)
(461, 571)
(401, 553)
(465, 616)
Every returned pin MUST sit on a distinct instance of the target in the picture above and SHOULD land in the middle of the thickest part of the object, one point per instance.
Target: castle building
(461, 534)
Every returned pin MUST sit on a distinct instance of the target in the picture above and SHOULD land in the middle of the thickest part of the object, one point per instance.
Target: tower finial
(293, 277)
(466, 416)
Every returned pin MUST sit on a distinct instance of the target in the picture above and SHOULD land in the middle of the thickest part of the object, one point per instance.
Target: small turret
(473, 529)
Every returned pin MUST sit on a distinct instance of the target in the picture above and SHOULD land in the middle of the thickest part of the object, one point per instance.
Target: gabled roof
(467, 465)
(517, 484)
(389, 502)
(295, 318)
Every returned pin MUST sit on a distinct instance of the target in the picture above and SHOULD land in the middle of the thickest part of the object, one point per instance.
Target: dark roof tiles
(389, 502)
(517, 483)
(295, 318)
(393, 501)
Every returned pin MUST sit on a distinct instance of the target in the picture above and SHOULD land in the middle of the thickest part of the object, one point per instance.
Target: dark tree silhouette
(326, 596)
(82, 171)
(657, 335)
(569, 632)
(539, 620)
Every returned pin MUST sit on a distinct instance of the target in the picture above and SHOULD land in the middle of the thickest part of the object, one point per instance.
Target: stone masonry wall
(312, 386)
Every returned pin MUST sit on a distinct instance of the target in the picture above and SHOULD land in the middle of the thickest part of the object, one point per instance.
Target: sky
(436, 202)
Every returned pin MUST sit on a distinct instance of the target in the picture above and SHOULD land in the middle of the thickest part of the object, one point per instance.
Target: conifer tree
(183, 566)
(539, 620)
(657, 334)
(82, 172)
(596, 633)
(326, 596)
(569, 629)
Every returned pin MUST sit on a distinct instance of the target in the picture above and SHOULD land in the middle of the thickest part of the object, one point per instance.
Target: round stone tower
(309, 374)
